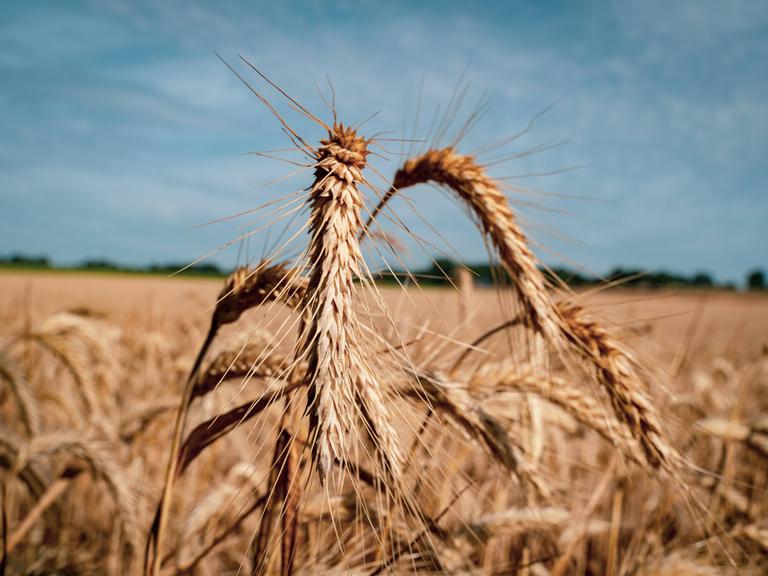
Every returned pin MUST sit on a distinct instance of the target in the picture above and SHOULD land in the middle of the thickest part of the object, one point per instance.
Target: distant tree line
(102, 265)
(442, 271)
(437, 274)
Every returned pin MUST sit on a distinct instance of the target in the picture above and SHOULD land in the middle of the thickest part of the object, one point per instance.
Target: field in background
(708, 350)
(659, 323)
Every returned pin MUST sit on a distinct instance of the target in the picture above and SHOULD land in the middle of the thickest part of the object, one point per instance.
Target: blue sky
(120, 130)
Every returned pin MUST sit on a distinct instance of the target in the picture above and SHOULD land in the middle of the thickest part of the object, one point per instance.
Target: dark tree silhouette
(756, 280)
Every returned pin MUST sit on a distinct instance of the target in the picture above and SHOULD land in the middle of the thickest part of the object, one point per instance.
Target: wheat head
(563, 326)
(340, 383)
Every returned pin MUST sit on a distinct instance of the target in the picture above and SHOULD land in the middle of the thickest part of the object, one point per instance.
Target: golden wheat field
(511, 473)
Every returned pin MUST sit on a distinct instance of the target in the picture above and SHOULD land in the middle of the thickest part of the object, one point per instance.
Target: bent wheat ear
(455, 401)
(509, 376)
(468, 179)
(339, 380)
(561, 327)
(35, 476)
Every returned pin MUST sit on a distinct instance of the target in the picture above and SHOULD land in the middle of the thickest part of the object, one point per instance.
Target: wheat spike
(340, 384)
(249, 361)
(468, 180)
(455, 400)
(617, 375)
(562, 326)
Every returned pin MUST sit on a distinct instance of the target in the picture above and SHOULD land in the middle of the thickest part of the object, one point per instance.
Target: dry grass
(320, 428)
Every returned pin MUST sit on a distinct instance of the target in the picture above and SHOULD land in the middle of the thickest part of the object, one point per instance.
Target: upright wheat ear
(340, 383)
(561, 326)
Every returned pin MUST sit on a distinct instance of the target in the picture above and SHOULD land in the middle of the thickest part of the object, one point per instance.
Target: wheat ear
(468, 180)
(456, 401)
(561, 327)
(340, 383)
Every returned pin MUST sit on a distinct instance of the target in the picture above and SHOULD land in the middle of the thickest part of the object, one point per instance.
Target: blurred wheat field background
(89, 470)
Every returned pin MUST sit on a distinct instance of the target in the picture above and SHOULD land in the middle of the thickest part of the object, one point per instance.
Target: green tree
(756, 280)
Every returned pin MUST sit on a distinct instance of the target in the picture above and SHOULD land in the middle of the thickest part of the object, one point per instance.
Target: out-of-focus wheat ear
(509, 375)
(99, 458)
(337, 377)
(51, 494)
(516, 521)
(35, 475)
(220, 501)
(754, 434)
(676, 563)
(23, 394)
(139, 416)
(618, 377)
(454, 400)
(67, 338)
